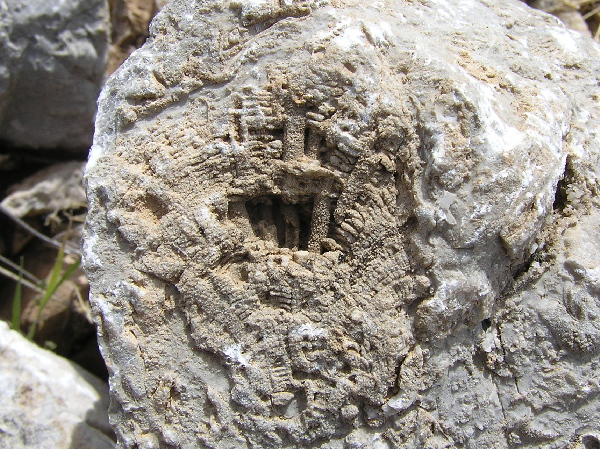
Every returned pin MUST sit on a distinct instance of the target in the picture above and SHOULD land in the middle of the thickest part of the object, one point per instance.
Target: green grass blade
(50, 289)
(55, 281)
(69, 271)
(16, 306)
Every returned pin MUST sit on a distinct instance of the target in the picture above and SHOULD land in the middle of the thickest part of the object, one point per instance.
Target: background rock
(349, 226)
(52, 58)
(129, 20)
(48, 401)
(47, 192)
(568, 13)
(52, 203)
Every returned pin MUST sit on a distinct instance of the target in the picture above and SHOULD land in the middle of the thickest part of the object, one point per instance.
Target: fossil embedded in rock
(301, 213)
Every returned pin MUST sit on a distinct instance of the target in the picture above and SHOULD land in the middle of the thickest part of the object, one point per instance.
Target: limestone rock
(53, 189)
(48, 401)
(52, 57)
(349, 225)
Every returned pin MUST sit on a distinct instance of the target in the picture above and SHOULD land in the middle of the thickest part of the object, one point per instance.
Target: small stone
(48, 401)
(53, 189)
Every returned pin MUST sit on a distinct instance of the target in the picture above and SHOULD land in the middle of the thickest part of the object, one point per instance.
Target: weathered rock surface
(349, 225)
(52, 58)
(48, 401)
(47, 192)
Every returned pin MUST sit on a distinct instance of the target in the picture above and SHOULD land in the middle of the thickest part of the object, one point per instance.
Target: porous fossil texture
(349, 225)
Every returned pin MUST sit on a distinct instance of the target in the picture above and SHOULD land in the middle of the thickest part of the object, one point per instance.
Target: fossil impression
(349, 225)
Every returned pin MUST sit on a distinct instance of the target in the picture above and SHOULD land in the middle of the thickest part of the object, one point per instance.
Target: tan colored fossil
(305, 218)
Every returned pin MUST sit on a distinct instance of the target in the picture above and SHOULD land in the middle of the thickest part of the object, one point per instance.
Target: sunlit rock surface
(48, 401)
(349, 225)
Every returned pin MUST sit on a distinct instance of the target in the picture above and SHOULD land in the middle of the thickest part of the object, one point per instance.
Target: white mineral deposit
(344, 225)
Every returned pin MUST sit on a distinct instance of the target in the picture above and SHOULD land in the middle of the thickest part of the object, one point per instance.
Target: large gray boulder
(350, 225)
(47, 401)
(52, 59)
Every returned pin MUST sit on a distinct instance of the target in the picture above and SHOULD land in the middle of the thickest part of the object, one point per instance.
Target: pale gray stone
(53, 189)
(349, 225)
(47, 401)
(52, 58)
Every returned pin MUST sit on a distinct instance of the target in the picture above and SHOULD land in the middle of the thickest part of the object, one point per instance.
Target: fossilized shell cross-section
(301, 211)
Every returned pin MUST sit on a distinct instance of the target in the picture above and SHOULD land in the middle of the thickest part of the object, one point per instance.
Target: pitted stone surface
(340, 225)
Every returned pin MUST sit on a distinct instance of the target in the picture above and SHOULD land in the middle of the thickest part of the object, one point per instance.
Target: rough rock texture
(47, 401)
(350, 225)
(52, 57)
(51, 190)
